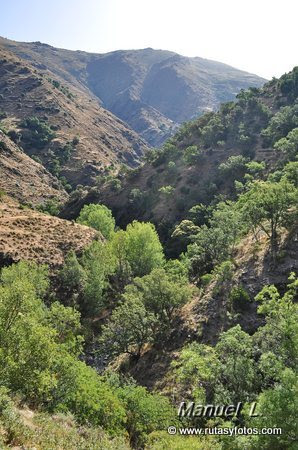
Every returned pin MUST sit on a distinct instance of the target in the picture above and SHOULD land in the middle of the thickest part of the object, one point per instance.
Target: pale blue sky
(259, 36)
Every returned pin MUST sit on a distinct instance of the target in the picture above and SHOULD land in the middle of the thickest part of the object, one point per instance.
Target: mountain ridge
(76, 138)
(154, 91)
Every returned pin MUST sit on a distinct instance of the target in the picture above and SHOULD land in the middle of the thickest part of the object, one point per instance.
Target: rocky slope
(29, 235)
(25, 179)
(71, 134)
(152, 90)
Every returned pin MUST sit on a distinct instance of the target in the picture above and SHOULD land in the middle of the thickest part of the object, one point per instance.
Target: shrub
(192, 155)
(75, 140)
(235, 166)
(116, 185)
(147, 413)
(280, 125)
(51, 207)
(206, 279)
(166, 190)
(239, 298)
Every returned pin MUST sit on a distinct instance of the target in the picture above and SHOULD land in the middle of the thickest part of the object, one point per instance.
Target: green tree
(130, 327)
(166, 190)
(237, 372)
(285, 120)
(123, 273)
(38, 346)
(214, 242)
(192, 155)
(290, 173)
(81, 391)
(196, 370)
(277, 407)
(161, 293)
(279, 335)
(72, 277)
(143, 248)
(66, 322)
(289, 144)
(98, 264)
(147, 413)
(269, 205)
(234, 167)
(98, 217)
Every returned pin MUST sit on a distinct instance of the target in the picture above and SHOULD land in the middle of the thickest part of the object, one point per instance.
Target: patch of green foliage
(98, 217)
(39, 132)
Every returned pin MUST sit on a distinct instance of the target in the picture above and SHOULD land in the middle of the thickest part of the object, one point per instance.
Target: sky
(259, 36)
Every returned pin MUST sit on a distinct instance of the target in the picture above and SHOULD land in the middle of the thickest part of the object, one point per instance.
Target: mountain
(61, 125)
(203, 160)
(154, 91)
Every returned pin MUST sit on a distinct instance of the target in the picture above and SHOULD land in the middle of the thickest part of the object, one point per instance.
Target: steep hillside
(29, 235)
(25, 179)
(204, 160)
(61, 125)
(212, 312)
(152, 90)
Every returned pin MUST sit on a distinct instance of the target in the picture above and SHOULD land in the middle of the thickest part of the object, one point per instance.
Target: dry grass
(30, 235)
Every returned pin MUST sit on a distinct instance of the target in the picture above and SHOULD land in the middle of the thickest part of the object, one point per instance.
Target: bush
(75, 140)
(192, 155)
(147, 413)
(14, 136)
(206, 279)
(51, 207)
(235, 166)
(166, 190)
(239, 298)
(116, 185)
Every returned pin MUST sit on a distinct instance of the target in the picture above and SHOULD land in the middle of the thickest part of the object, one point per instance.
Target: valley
(148, 250)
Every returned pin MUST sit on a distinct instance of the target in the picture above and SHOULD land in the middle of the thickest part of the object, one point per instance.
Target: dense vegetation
(210, 159)
(122, 298)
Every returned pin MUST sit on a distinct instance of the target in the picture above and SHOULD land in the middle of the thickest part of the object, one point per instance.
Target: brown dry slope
(95, 137)
(29, 235)
(25, 179)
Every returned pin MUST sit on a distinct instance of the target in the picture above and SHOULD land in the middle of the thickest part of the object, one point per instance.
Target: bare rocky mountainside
(154, 91)
(25, 179)
(60, 125)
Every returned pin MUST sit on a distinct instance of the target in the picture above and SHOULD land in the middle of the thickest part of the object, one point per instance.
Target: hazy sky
(259, 36)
